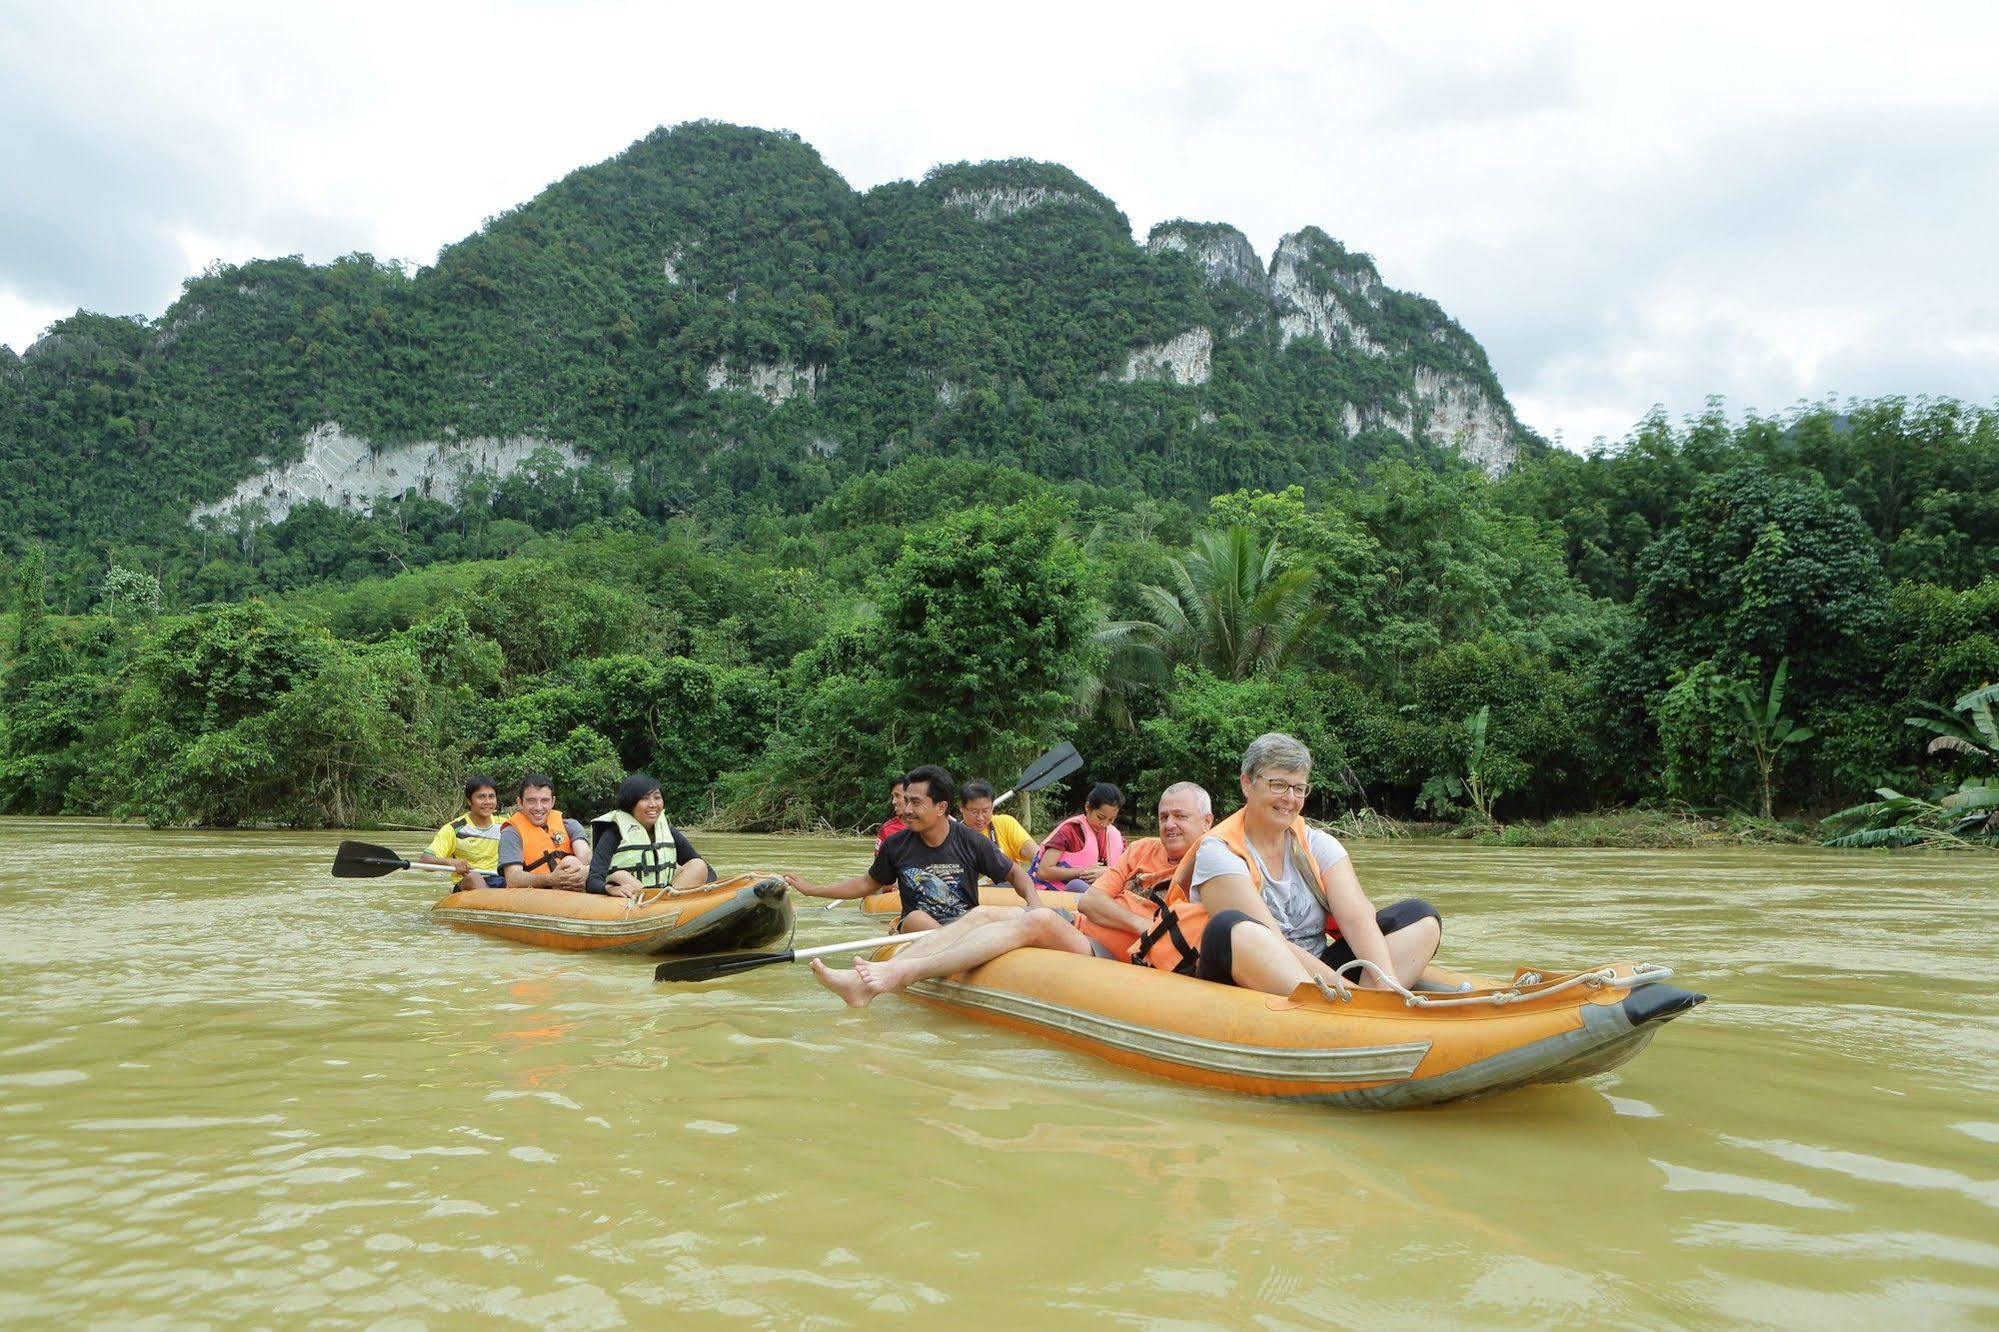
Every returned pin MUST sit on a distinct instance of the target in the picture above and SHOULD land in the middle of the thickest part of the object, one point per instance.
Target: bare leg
(916, 922)
(937, 936)
(1040, 928)
(973, 930)
(1263, 961)
(1411, 948)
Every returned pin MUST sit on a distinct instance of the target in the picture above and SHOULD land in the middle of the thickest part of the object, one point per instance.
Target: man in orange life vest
(539, 848)
(1119, 901)
(1256, 902)
(1122, 905)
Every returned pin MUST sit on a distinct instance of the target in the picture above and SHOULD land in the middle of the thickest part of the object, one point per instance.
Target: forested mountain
(703, 462)
(715, 309)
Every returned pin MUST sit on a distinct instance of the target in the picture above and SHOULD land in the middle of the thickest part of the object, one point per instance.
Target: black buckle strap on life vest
(1168, 926)
(652, 863)
(554, 853)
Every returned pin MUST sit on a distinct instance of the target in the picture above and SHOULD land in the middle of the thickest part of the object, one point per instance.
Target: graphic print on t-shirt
(922, 890)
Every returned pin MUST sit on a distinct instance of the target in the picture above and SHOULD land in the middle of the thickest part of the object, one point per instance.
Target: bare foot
(851, 986)
(880, 977)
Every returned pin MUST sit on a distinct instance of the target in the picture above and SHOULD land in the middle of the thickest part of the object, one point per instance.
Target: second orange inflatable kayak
(744, 911)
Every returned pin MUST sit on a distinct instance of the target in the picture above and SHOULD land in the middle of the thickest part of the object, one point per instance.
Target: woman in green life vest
(633, 848)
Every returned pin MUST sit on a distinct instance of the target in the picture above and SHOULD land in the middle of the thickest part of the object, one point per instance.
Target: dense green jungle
(818, 484)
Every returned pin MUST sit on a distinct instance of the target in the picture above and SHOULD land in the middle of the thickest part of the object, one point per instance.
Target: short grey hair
(1203, 802)
(1274, 749)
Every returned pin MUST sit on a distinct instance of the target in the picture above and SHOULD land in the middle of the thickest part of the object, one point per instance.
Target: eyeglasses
(1299, 789)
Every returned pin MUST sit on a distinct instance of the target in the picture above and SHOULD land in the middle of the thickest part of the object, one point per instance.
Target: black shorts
(1218, 954)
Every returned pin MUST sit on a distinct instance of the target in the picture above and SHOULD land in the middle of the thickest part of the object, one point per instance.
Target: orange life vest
(541, 848)
(1174, 943)
(1146, 872)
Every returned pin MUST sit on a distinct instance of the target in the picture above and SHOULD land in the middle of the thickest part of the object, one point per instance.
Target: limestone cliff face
(348, 472)
(991, 204)
(1317, 290)
(1315, 299)
(1225, 255)
(1187, 359)
(775, 383)
(1460, 414)
(1322, 290)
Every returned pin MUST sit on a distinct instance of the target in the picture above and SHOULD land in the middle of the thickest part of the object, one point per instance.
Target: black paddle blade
(708, 968)
(1050, 768)
(360, 860)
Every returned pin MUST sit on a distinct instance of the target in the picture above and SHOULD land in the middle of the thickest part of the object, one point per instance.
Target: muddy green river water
(234, 1090)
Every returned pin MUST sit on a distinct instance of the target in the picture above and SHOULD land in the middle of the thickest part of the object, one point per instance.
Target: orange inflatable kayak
(745, 911)
(1376, 1049)
(889, 903)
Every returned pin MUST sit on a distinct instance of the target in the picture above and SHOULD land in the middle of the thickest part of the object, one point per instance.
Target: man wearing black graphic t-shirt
(934, 863)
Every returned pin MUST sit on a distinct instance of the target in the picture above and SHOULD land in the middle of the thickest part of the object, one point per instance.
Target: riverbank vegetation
(1715, 618)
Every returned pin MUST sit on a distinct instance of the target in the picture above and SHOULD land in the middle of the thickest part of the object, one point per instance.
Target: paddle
(1050, 768)
(360, 860)
(728, 964)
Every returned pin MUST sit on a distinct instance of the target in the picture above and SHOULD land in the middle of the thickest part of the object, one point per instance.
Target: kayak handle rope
(645, 897)
(1642, 973)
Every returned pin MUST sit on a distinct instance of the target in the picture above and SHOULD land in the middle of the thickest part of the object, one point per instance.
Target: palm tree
(1232, 609)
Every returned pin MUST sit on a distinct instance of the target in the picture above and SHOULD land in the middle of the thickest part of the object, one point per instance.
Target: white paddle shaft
(851, 946)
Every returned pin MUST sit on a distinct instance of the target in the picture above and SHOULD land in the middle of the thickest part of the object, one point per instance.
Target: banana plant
(1974, 735)
(1966, 816)
(1767, 730)
(1478, 785)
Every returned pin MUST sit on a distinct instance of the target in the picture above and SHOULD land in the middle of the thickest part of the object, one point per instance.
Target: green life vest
(648, 856)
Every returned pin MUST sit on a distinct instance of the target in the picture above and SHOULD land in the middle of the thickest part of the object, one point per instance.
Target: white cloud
(22, 320)
(1626, 207)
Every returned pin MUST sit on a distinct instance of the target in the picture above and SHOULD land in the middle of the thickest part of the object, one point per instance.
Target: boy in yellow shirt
(470, 843)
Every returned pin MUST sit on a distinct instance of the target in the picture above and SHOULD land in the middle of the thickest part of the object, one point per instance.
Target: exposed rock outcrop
(773, 383)
(1185, 359)
(1224, 254)
(347, 472)
(989, 205)
(1312, 296)
(1460, 415)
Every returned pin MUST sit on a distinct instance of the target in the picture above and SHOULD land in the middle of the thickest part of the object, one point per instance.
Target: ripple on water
(1876, 1169)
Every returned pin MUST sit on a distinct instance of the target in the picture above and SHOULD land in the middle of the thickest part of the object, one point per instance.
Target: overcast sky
(1624, 209)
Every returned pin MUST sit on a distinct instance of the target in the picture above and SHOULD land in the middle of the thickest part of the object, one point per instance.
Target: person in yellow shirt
(1003, 830)
(470, 843)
